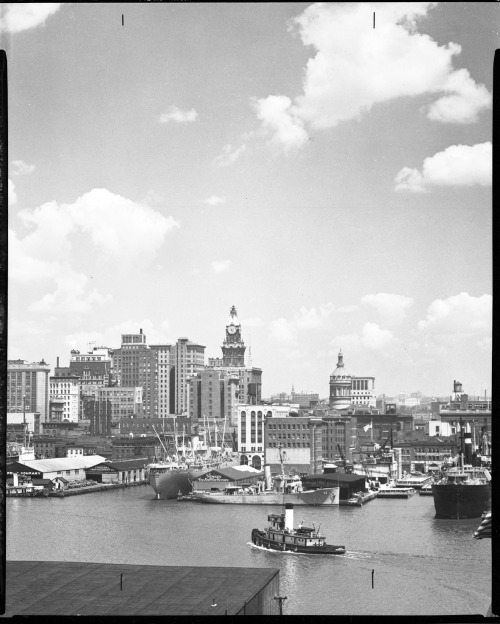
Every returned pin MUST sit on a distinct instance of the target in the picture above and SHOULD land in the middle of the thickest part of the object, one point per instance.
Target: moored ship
(174, 474)
(462, 493)
(234, 495)
(281, 535)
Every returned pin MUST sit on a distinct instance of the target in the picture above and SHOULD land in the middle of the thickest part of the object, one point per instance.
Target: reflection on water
(420, 565)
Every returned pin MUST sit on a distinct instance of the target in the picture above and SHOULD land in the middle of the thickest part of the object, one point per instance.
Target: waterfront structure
(69, 468)
(28, 387)
(64, 397)
(152, 590)
(116, 471)
(131, 448)
(347, 390)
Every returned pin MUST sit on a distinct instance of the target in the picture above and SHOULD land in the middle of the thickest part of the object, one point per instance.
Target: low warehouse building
(71, 468)
(349, 484)
(119, 471)
(221, 478)
(98, 589)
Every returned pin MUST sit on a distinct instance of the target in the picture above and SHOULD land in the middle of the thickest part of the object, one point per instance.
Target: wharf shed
(118, 471)
(221, 478)
(348, 484)
(71, 468)
(99, 589)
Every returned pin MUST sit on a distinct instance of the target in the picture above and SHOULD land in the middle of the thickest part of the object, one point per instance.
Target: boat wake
(351, 554)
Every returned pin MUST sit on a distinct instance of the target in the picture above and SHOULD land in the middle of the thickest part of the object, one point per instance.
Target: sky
(325, 168)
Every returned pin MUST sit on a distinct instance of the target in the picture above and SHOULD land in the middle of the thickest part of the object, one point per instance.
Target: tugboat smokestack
(289, 516)
(267, 477)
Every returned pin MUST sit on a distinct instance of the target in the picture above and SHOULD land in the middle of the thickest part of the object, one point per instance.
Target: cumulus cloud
(214, 200)
(286, 331)
(457, 165)
(11, 192)
(280, 122)
(355, 67)
(221, 266)
(180, 116)
(113, 223)
(283, 331)
(459, 317)
(372, 337)
(19, 167)
(229, 155)
(392, 308)
(16, 17)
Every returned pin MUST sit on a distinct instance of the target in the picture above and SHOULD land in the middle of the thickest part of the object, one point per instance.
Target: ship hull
(169, 484)
(259, 538)
(456, 501)
(314, 498)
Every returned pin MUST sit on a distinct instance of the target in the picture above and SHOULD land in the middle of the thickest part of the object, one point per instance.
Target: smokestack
(267, 476)
(57, 362)
(140, 331)
(289, 516)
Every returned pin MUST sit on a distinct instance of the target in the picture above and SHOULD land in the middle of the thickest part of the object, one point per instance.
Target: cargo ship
(463, 492)
(281, 535)
(173, 475)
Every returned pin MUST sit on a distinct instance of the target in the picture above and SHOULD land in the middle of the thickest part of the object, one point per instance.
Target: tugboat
(280, 535)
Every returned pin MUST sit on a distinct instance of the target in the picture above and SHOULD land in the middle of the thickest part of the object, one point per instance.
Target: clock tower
(233, 347)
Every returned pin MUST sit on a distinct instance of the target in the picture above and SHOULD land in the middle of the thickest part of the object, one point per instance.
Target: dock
(360, 498)
(101, 589)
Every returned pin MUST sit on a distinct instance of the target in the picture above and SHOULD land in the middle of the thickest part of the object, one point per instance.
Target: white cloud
(467, 99)
(19, 167)
(221, 266)
(114, 224)
(457, 165)
(459, 317)
(229, 155)
(280, 122)
(313, 318)
(11, 191)
(392, 308)
(214, 200)
(283, 331)
(16, 17)
(372, 337)
(355, 67)
(71, 296)
(180, 116)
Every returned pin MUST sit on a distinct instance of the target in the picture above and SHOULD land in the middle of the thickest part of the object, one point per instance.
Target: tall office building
(136, 364)
(213, 395)
(28, 387)
(65, 398)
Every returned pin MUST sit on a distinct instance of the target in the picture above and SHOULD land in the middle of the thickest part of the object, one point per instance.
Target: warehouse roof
(75, 588)
(123, 464)
(334, 477)
(231, 473)
(63, 463)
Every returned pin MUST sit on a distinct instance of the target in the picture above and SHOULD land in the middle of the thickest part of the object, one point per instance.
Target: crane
(342, 457)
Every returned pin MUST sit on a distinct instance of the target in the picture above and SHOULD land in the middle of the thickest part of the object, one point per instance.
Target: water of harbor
(421, 565)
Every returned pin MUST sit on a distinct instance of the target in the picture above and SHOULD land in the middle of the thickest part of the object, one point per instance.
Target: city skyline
(326, 168)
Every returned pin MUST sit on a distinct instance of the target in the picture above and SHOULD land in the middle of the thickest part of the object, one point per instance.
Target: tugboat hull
(259, 538)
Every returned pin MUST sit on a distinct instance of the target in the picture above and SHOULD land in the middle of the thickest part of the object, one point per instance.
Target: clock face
(231, 329)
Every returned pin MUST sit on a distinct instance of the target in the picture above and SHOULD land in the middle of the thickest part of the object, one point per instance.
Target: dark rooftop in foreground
(94, 589)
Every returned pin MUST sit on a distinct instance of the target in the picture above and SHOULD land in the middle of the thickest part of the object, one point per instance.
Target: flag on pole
(367, 427)
(484, 529)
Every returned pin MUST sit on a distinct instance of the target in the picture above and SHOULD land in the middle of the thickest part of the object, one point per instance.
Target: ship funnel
(267, 476)
(289, 516)
(194, 442)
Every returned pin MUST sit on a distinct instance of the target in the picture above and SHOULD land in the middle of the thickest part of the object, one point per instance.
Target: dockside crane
(347, 469)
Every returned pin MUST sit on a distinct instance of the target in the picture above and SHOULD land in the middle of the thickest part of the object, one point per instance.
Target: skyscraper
(28, 387)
